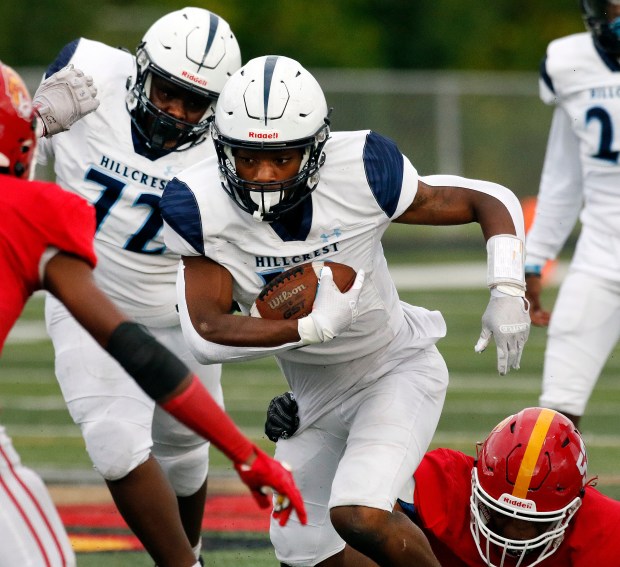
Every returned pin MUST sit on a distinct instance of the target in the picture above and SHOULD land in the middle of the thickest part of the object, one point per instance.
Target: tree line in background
(393, 34)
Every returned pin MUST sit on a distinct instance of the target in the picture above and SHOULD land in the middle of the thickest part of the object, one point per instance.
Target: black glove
(282, 419)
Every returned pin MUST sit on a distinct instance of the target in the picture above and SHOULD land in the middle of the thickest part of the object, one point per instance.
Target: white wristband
(505, 261)
(503, 290)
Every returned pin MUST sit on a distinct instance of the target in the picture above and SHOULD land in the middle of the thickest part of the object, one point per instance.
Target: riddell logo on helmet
(263, 135)
(517, 502)
(194, 78)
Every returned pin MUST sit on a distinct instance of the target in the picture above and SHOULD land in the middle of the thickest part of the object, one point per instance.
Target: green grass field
(34, 414)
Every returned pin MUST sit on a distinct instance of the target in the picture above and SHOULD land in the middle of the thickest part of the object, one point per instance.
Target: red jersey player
(46, 242)
(523, 501)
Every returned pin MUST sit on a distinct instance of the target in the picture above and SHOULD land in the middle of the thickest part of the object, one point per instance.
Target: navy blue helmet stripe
(214, 22)
(270, 64)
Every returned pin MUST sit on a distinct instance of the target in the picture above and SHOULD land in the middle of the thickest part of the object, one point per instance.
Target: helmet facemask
(271, 104)
(157, 128)
(192, 52)
(532, 469)
(267, 201)
(606, 33)
(493, 546)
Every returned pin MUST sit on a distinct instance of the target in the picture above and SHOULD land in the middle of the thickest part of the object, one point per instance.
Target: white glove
(64, 98)
(507, 318)
(332, 312)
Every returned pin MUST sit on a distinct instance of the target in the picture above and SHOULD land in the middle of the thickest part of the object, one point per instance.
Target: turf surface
(34, 413)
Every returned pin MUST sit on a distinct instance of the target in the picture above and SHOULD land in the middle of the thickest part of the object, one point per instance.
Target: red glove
(266, 472)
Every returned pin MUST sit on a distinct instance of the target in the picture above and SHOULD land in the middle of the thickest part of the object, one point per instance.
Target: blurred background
(453, 82)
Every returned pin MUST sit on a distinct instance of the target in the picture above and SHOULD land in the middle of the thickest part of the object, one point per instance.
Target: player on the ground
(363, 365)
(151, 123)
(580, 75)
(46, 242)
(525, 495)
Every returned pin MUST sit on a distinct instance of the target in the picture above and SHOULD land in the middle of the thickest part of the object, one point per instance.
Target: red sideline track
(99, 527)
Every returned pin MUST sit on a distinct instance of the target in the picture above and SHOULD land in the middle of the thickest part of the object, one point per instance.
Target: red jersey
(441, 509)
(35, 215)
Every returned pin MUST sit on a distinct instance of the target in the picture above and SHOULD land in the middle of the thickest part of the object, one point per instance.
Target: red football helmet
(17, 124)
(532, 467)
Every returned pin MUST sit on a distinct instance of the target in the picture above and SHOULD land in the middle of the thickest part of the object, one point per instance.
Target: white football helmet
(532, 467)
(192, 48)
(271, 103)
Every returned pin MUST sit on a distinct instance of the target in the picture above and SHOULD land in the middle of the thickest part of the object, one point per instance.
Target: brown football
(290, 295)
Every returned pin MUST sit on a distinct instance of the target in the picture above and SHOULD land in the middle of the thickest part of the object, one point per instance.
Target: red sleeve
(197, 409)
(36, 215)
(441, 500)
(442, 487)
(74, 229)
(592, 538)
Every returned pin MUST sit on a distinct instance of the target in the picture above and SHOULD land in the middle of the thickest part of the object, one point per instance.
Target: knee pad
(116, 447)
(185, 467)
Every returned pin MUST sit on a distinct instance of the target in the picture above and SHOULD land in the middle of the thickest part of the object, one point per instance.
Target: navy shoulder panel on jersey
(179, 209)
(383, 164)
(545, 76)
(63, 58)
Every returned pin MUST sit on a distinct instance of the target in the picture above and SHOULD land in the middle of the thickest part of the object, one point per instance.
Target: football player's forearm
(168, 381)
(156, 370)
(242, 335)
(207, 352)
(196, 408)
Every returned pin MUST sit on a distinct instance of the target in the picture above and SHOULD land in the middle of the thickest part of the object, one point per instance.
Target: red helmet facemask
(531, 468)
(17, 124)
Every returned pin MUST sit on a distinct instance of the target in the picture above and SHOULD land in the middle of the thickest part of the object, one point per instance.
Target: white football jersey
(581, 173)
(365, 183)
(97, 160)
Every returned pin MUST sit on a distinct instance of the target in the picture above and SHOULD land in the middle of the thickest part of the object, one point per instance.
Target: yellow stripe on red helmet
(532, 452)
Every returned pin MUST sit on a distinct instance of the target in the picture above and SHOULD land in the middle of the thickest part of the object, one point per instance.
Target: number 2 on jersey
(607, 134)
(113, 188)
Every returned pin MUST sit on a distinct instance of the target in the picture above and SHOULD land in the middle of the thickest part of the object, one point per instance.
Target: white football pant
(119, 422)
(362, 453)
(584, 329)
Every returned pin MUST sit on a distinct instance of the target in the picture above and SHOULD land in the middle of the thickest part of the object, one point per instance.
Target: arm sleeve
(197, 409)
(501, 193)
(560, 195)
(207, 352)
